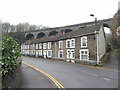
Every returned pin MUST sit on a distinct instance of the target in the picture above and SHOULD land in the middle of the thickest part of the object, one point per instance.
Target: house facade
(82, 45)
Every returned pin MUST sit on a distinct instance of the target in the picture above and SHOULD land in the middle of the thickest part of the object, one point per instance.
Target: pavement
(34, 79)
(112, 62)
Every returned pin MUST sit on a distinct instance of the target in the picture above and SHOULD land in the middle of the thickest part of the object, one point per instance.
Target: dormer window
(83, 41)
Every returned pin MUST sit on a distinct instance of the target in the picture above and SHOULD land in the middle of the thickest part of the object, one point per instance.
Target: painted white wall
(102, 45)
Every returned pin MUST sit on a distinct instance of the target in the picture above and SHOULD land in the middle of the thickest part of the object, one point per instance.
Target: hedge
(10, 53)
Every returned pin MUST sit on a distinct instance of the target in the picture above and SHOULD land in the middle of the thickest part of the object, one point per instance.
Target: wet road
(75, 75)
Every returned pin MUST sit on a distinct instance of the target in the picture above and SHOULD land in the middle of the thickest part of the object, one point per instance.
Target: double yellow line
(46, 74)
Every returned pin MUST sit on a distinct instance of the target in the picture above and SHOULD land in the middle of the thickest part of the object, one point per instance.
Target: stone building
(85, 45)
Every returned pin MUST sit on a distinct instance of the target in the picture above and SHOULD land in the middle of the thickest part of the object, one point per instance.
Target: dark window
(67, 30)
(53, 33)
(29, 36)
(40, 35)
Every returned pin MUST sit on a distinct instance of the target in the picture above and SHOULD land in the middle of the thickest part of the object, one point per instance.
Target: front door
(44, 53)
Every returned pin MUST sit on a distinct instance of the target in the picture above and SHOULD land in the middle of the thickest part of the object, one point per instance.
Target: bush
(10, 53)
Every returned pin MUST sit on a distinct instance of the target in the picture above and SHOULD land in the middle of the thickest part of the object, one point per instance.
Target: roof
(80, 32)
(75, 25)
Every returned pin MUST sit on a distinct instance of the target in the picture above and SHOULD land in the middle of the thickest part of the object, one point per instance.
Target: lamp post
(97, 38)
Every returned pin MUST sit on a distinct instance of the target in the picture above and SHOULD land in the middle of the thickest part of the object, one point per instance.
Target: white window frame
(72, 52)
(60, 44)
(44, 45)
(59, 53)
(36, 46)
(28, 47)
(82, 42)
(40, 45)
(37, 52)
(48, 54)
(73, 43)
(40, 52)
(68, 57)
(84, 54)
(67, 43)
(49, 45)
(25, 46)
(33, 45)
(28, 52)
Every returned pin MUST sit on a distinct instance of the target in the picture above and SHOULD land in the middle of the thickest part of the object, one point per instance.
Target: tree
(12, 28)
(6, 27)
(31, 27)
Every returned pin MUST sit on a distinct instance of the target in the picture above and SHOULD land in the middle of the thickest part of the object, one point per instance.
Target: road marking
(106, 79)
(46, 74)
(98, 67)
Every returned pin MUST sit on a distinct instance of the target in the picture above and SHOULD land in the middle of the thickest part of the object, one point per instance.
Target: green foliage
(10, 53)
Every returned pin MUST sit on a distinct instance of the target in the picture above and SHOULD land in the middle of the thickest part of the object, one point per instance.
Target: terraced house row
(83, 45)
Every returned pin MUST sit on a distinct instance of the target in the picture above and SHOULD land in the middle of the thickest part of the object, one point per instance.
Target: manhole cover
(40, 78)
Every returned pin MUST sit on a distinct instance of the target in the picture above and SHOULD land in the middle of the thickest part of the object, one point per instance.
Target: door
(44, 53)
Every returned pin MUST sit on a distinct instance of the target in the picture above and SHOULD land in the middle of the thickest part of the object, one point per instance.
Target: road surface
(75, 75)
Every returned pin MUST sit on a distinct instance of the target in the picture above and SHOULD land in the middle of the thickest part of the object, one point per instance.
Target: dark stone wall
(12, 81)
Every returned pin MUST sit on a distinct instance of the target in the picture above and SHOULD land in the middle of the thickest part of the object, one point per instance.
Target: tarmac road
(76, 75)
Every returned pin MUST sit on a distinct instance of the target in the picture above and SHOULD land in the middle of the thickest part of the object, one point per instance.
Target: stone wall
(9, 81)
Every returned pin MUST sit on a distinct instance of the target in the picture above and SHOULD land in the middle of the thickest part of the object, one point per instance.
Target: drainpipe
(97, 37)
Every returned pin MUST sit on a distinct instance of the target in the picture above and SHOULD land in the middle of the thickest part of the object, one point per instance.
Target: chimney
(61, 32)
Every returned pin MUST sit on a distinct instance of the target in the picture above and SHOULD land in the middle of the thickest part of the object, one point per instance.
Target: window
(49, 45)
(36, 46)
(28, 46)
(40, 52)
(70, 54)
(25, 46)
(84, 41)
(33, 52)
(33, 46)
(37, 52)
(49, 53)
(40, 45)
(68, 43)
(72, 43)
(60, 54)
(84, 54)
(60, 44)
(44, 45)
(27, 51)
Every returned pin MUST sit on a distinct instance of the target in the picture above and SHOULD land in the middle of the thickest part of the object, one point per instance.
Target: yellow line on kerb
(51, 78)
(100, 68)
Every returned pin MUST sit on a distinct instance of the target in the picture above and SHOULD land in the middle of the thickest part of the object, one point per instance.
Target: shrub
(10, 53)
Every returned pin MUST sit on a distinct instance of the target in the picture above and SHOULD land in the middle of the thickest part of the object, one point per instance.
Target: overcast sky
(54, 13)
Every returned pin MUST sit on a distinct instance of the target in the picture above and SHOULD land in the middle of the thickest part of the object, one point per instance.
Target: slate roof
(67, 26)
(80, 32)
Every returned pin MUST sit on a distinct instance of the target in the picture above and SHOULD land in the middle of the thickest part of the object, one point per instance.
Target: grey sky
(56, 13)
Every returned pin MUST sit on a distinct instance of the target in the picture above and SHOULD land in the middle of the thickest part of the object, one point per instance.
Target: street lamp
(97, 37)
